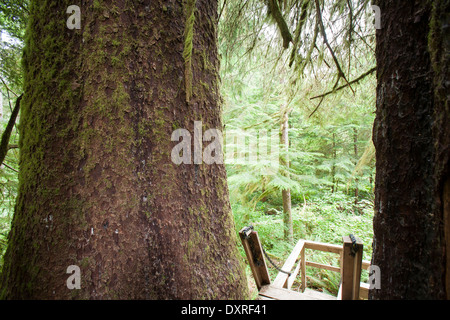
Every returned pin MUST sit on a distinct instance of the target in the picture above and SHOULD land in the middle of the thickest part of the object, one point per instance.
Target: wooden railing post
(351, 268)
(255, 256)
(303, 269)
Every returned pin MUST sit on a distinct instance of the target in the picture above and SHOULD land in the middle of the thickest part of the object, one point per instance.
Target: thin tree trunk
(286, 194)
(355, 149)
(409, 238)
(97, 188)
(333, 168)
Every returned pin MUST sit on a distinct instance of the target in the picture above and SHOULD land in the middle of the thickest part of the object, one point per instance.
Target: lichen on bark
(189, 7)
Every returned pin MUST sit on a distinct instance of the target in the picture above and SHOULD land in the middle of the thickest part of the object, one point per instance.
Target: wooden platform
(350, 265)
(270, 292)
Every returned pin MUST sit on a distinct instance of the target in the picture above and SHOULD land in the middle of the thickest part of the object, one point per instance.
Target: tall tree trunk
(333, 168)
(97, 187)
(355, 149)
(286, 193)
(409, 242)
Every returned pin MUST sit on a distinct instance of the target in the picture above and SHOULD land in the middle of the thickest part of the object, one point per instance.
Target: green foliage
(322, 148)
(8, 185)
(13, 17)
(331, 160)
(10, 68)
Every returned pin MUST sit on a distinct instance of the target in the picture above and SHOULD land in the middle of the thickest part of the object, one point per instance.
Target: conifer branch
(275, 12)
(347, 84)
(341, 73)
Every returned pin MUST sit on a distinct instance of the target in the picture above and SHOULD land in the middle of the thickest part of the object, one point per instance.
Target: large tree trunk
(98, 188)
(409, 233)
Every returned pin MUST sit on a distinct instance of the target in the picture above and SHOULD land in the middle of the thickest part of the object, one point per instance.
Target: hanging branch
(221, 10)
(350, 31)
(311, 48)
(7, 88)
(325, 39)
(317, 108)
(298, 31)
(233, 25)
(346, 85)
(10, 168)
(275, 12)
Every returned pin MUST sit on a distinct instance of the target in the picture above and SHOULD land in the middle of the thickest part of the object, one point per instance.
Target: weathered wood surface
(271, 292)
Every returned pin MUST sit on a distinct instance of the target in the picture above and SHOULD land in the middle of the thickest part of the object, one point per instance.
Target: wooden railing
(297, 256)
(350, 261)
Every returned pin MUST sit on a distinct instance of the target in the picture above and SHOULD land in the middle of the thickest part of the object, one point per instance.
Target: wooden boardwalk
(350, 261)
(270, 292)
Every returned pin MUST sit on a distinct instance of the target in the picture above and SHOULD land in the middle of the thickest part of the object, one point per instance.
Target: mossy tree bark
(412, 144)
(97, 187)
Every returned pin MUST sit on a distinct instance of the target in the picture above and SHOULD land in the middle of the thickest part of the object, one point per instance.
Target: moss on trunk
(97, 187)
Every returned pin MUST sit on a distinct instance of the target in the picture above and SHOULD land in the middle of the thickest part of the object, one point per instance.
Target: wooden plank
(366, 264)
(351, 269)
(323, 266)
(293, 276)
(358, 269)
(255, 257)
(319, 295)
(264, 298)
(326, 247)
(282, 278)
(303, 269)
(277, 293)
(347, 272)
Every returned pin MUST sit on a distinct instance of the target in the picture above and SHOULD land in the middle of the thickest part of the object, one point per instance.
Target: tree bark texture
(409, 134)
(439, 46)
(97, 187)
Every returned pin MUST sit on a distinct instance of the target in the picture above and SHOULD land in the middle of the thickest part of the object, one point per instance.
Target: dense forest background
(328, 166)
(331, 163)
